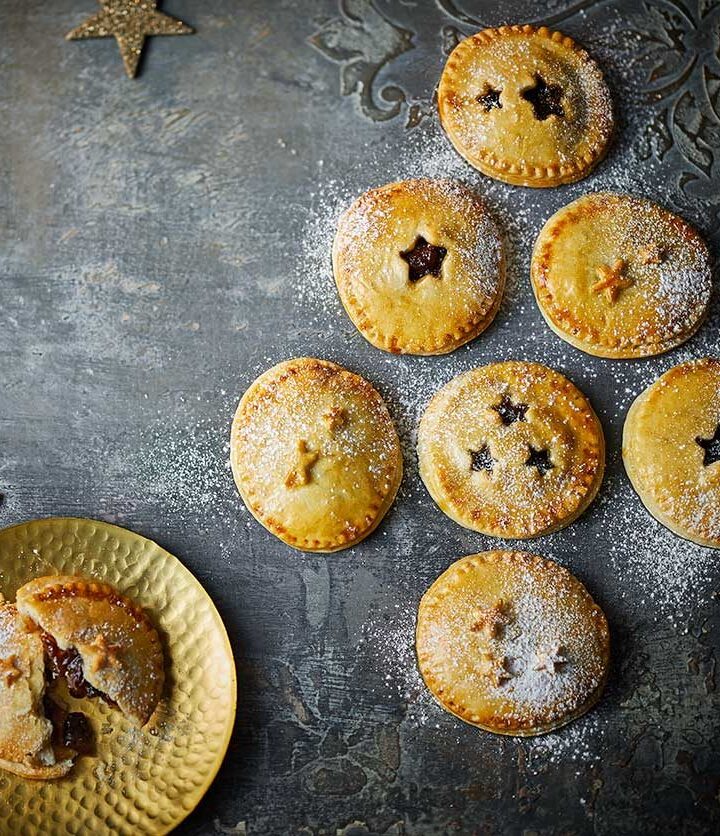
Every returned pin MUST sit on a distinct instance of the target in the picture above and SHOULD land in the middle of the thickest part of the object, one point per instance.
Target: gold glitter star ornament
(129, 22)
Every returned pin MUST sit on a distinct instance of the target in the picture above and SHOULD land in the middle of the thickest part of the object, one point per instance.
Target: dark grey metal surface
(163, 241)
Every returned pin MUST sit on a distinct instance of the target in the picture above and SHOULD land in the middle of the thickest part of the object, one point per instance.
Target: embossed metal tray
(165, 240)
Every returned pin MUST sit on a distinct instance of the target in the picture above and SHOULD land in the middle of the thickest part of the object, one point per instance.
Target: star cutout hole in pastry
(301, 472)
(423, 259)
(539, 459)
(481, 459)
(711, 446)
(129, 22)
(544, 98)
(611, 280)
(510, 412)
(489, 99)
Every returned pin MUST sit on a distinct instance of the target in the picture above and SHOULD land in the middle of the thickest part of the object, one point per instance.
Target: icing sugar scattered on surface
(654, 568)
(383, 222)
(547, 614)
(500, 131)
(512, 497)
(388, 639)
(657, 576)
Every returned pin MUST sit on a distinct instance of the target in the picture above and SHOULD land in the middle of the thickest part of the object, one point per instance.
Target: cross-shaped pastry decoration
(510, 412)
(423, 259)
(105, 653)
(544, 98)
(490, 621)
(711, 446)
(611, 279)
(9, 671)
(549, 658)
(301, 471)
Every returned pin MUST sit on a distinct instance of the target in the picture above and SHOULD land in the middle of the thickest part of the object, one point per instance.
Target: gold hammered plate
(138, 782)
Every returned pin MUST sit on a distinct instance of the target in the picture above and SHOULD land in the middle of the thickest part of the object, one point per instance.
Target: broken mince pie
(419, 266)
(671, 450)
(315, 454)
(85, 632)
(619, 276)
(26, 735)
(512, 643)
(511, 449)
(525, 105)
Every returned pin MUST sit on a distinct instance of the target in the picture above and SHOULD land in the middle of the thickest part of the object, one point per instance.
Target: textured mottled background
(164, 240)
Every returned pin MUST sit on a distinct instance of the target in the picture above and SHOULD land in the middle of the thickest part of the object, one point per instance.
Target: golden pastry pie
(526, 106)
(511, 449)
(671, 450)
(512, 643)
(315, 454)
(419, 266)
(98, 640)
(619, 276)
(26, 735)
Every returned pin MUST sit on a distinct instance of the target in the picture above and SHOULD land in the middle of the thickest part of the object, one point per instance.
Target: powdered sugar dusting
(542, 665)
(512, 133)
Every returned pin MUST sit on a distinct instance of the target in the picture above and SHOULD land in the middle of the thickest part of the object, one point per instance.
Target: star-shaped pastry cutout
(481, 459)
(301, 472)
(423, 259)
(611, 279)
(494, 668)
(129, 22)
(105, 653)
(651, 254)
(544, 98)
(510, 412)
(711, 446)
(490, 621)
(9, 671)
(539, 459)
(335, 418)
(549, 658)
(489, 99)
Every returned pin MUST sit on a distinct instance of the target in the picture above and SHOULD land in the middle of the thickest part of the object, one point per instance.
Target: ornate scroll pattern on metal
(363, 41)
(680, 43)
(679, 40)
(555, 12)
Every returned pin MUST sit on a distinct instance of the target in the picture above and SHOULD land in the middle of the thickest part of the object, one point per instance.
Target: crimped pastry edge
(525, 175)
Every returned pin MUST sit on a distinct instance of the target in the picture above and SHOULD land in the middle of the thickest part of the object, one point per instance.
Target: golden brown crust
(544, 665)
(441, 310)
(510, 137)
(511, 449)
(119, 647)
(315, 454)
(671, 444)
(25, 733)
(620, 277)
